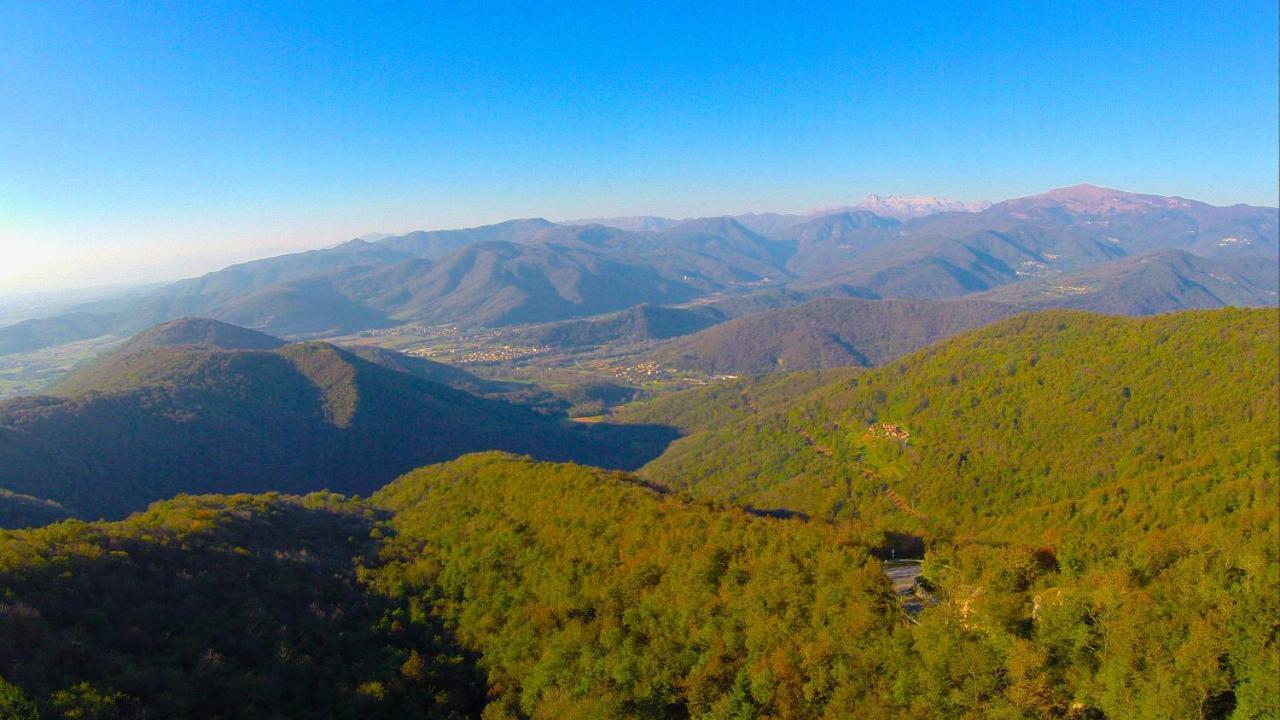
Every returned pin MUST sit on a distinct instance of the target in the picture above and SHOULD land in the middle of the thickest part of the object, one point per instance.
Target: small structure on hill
(889, 431)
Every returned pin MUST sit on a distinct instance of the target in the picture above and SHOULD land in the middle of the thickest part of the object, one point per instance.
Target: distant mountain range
(637, 324)
(201, 406)
(534, 271)
(1155, 282)
(887, 206)
(906, 208)
(825, 333)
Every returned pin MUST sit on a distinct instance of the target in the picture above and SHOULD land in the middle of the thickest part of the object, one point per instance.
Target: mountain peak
(722, 225)
(204, 333)
(905, 208)
(634, 223)
(532, 222)
(1085, 198)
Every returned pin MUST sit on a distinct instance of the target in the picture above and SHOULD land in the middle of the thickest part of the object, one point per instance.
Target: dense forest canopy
(1033, 410)
(590, 595)
(218, 607)
(1096, 500)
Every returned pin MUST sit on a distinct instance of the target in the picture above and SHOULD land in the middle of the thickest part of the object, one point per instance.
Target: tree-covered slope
(1098, 497)
(637, 324)
(201, 332)
(219, 607)
(559, 591)
(204, 333)
(824, 333)
(500, 283)
(589, 595)
(1033, 409)
(163, 420)
(301, 308)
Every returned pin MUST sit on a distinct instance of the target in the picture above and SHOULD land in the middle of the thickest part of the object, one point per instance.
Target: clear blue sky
(163, 137)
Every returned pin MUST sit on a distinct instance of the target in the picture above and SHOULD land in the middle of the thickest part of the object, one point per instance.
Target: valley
(639, 361)
(948, 520)
(933, 482)
(532, 292)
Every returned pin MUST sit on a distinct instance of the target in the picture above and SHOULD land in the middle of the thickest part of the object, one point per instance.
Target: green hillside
(218, 607)
(156, 421)
(1096, 499)
(1098, 495)
(538, 590)
(1033, 409)
(559, 591)
(588, 595)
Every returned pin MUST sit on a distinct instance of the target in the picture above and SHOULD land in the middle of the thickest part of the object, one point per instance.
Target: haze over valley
(925, 413)
(1083, 247)
(540, 361)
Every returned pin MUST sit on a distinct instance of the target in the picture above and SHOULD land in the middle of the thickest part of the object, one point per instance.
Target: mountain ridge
(531, 270)
(155, 420)
(825, 333)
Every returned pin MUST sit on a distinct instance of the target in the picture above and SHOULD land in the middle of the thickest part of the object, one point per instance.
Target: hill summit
(155, 420)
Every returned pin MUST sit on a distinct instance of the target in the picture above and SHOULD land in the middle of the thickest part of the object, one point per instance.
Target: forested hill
(218, 607)
(119, 367)
(156, 421)
(1098, 497)
(1035, 409)
(574, 592)
(589, 595)
(201, 332)
(115, 366)
(544, 590)
(824, 333)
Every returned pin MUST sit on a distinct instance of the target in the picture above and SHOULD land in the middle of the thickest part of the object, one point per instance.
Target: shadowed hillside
(219, 606)
(637, 324)
(155, 421)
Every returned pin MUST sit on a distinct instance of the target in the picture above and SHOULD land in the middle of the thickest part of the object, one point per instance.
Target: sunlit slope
(589, 595)
(1037, 409)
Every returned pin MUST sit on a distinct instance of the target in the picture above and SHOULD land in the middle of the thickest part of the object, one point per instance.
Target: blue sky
(151, 139)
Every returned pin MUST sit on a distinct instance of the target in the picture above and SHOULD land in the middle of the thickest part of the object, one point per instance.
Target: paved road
(903, 574)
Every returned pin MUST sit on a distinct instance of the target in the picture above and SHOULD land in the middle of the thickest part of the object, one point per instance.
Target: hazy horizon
(132, 271)
(156, 142)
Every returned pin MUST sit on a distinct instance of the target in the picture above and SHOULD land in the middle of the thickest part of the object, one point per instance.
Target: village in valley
(504, 354)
